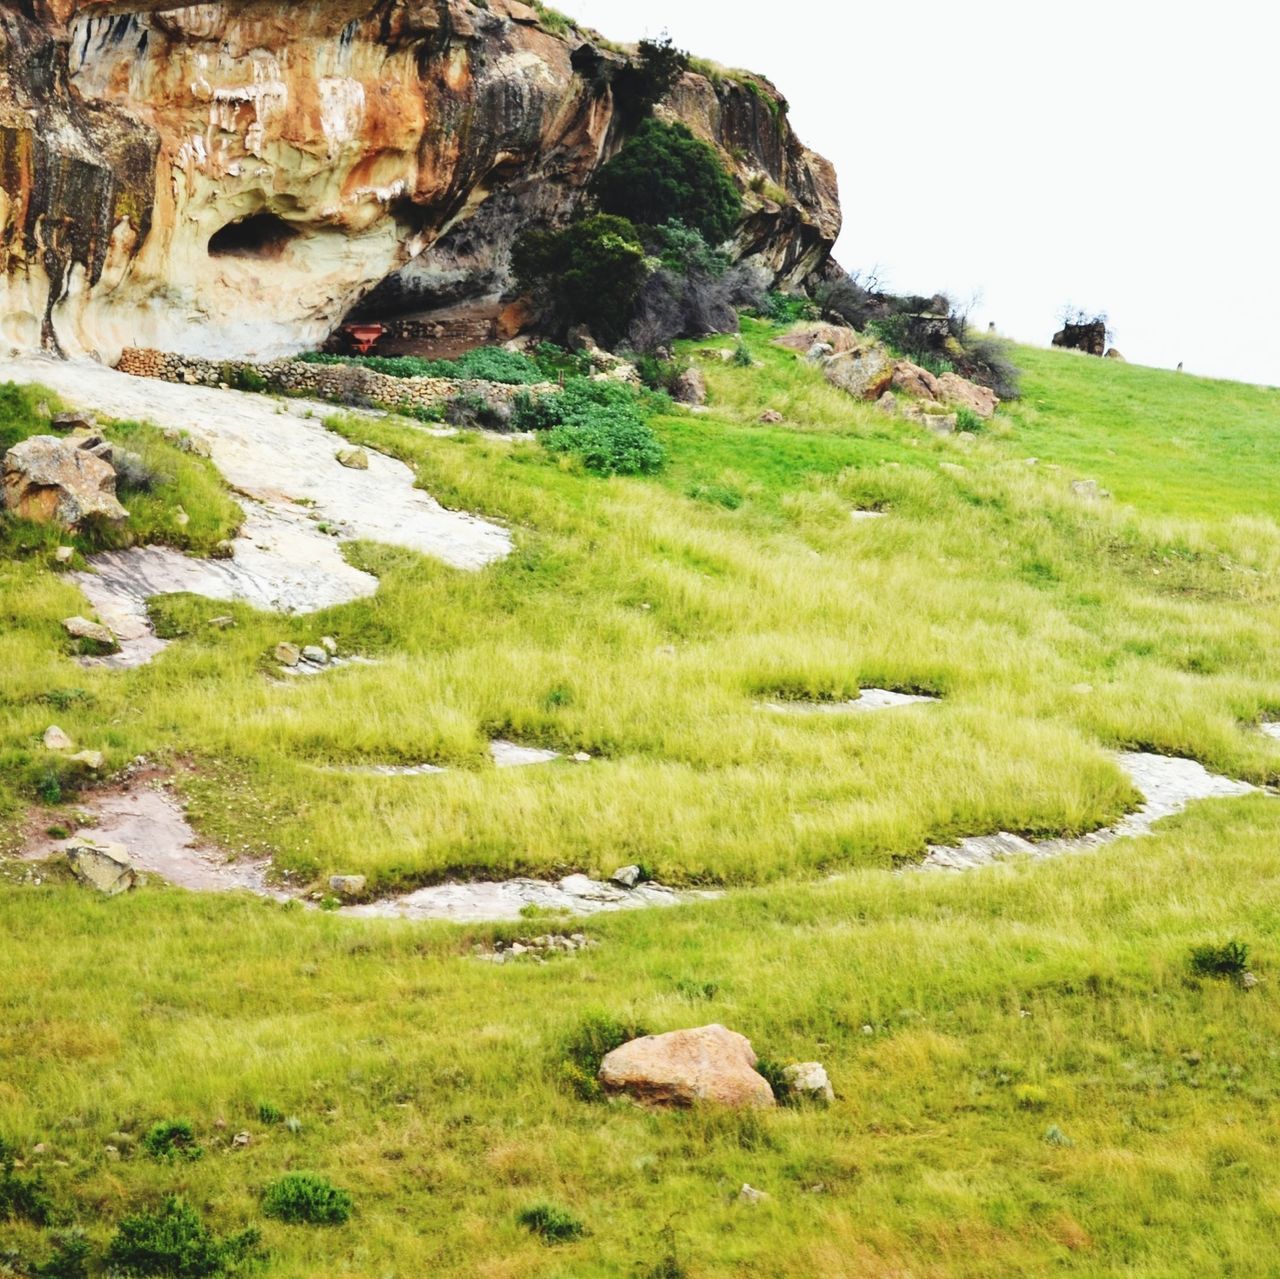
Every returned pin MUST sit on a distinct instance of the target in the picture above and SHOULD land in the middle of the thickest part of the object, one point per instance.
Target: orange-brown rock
(55, 481)
(837, 336)
(961, 393)
(688, 1067)
(911, 379)
(231, 179)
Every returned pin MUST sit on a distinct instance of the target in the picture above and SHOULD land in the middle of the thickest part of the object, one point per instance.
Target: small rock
(106, 867)
(353, 459)
(68, 422)
(55, 739)
(181, 518)
(347, 885)
(627, 876)
(581, 758)
(39, 1148)
(809, 1080)
(1249, 980)
(329, 644)
(1089, 490)
(222, 623)
(90, 759)
(314, 655)
(288, 654)
(82, 629)
(241, 1140)
(750, 1195)
(770, 417)
(64, 554)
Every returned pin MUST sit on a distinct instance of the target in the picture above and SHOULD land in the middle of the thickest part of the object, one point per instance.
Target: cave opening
(260, 236)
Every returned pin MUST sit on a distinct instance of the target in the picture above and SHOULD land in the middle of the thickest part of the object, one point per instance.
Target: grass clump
(551, 1224)
(307, 1198)
(174, 1241)
(594, 1037)
(1229, 960)
(172, 1139)
(482, 364)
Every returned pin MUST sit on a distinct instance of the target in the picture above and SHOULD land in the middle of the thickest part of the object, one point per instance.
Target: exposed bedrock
(232, 179)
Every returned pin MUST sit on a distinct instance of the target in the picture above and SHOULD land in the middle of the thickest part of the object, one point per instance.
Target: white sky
(1121, 156)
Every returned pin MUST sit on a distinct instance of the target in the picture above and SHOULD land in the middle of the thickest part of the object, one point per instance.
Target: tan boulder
(56, 740)
(1113, 354)
(866, 372)
(837, 336)
(913, 380)
(106, 867)
(82, 628)
(50, 480)
(690, 387)
(688, 1067)
(770, 417)
(353, 459)
(962, 393)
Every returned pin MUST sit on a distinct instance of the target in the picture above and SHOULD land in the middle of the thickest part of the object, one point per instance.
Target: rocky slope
(232, 179)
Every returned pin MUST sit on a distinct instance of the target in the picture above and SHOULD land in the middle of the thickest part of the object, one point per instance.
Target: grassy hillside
(1030, 1077)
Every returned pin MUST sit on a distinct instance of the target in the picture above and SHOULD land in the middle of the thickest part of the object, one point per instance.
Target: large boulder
(866, 372)
(55, 481)
(688, 1067)
(690, 387)
(963, 394)
(837, 336)
(106, 867)
(911, 379)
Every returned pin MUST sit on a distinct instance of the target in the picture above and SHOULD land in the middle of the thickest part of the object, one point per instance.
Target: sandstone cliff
(231, 179)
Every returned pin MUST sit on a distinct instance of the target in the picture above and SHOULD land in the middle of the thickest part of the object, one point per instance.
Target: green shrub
(968, 420)
(172, 1139)
(610, 441)
(21, 1196)
(663, 173)
(307, 1198)
(787, 308)
(551, 1224)
(70, 1258)
(590, 273)
(587, 1045)
(774, 1073)
(247, 378)
(742, 356)
(175, 1242)
(269, 1113)
(1231, 959)
(682, 249)
(649, 76)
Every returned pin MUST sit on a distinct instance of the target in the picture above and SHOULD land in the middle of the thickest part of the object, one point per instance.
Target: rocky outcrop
(688, 1067)
(55, 481)
(231, 179)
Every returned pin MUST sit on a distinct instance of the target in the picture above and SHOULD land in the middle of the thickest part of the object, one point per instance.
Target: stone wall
(342, 383)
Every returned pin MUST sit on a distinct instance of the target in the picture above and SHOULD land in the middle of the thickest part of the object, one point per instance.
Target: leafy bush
(742, 356)
(663, 173)
(846, 300)
(717, 495)
(587, 1045)
(21, 1196)
(174, 1241)
(988, 360)
(270, 1113)
(70, 1258)
(968, 420)
(551, 1224)
(774, 1073)
(610, 442)
(172, 1139)
(1228, 960)
(787, 308)
(649, 76)
(590, 273)
(682, 248)
(483, 364)
(246, 378)
(307, 1198)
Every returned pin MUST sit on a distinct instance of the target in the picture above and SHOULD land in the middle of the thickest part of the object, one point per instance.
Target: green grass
(1032, 1077)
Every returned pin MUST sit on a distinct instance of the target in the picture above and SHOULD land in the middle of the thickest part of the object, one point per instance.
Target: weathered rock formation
(54, 481)
(232, 179)
(1089, 336)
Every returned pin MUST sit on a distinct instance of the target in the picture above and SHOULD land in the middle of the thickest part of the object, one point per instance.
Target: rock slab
(106, 867)
(709, 1065)
(55, 481)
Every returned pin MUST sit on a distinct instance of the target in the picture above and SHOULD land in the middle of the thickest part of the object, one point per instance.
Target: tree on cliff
(589, 273)
(663, 173)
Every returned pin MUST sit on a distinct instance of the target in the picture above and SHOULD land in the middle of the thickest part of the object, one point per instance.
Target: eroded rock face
(688, 1067)
(55, 481)
(230, 179)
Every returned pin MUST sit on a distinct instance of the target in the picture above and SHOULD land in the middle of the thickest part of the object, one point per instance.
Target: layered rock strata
(231, 179)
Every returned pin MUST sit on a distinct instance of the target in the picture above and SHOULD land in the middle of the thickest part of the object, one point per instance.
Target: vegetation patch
(307, 1198)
